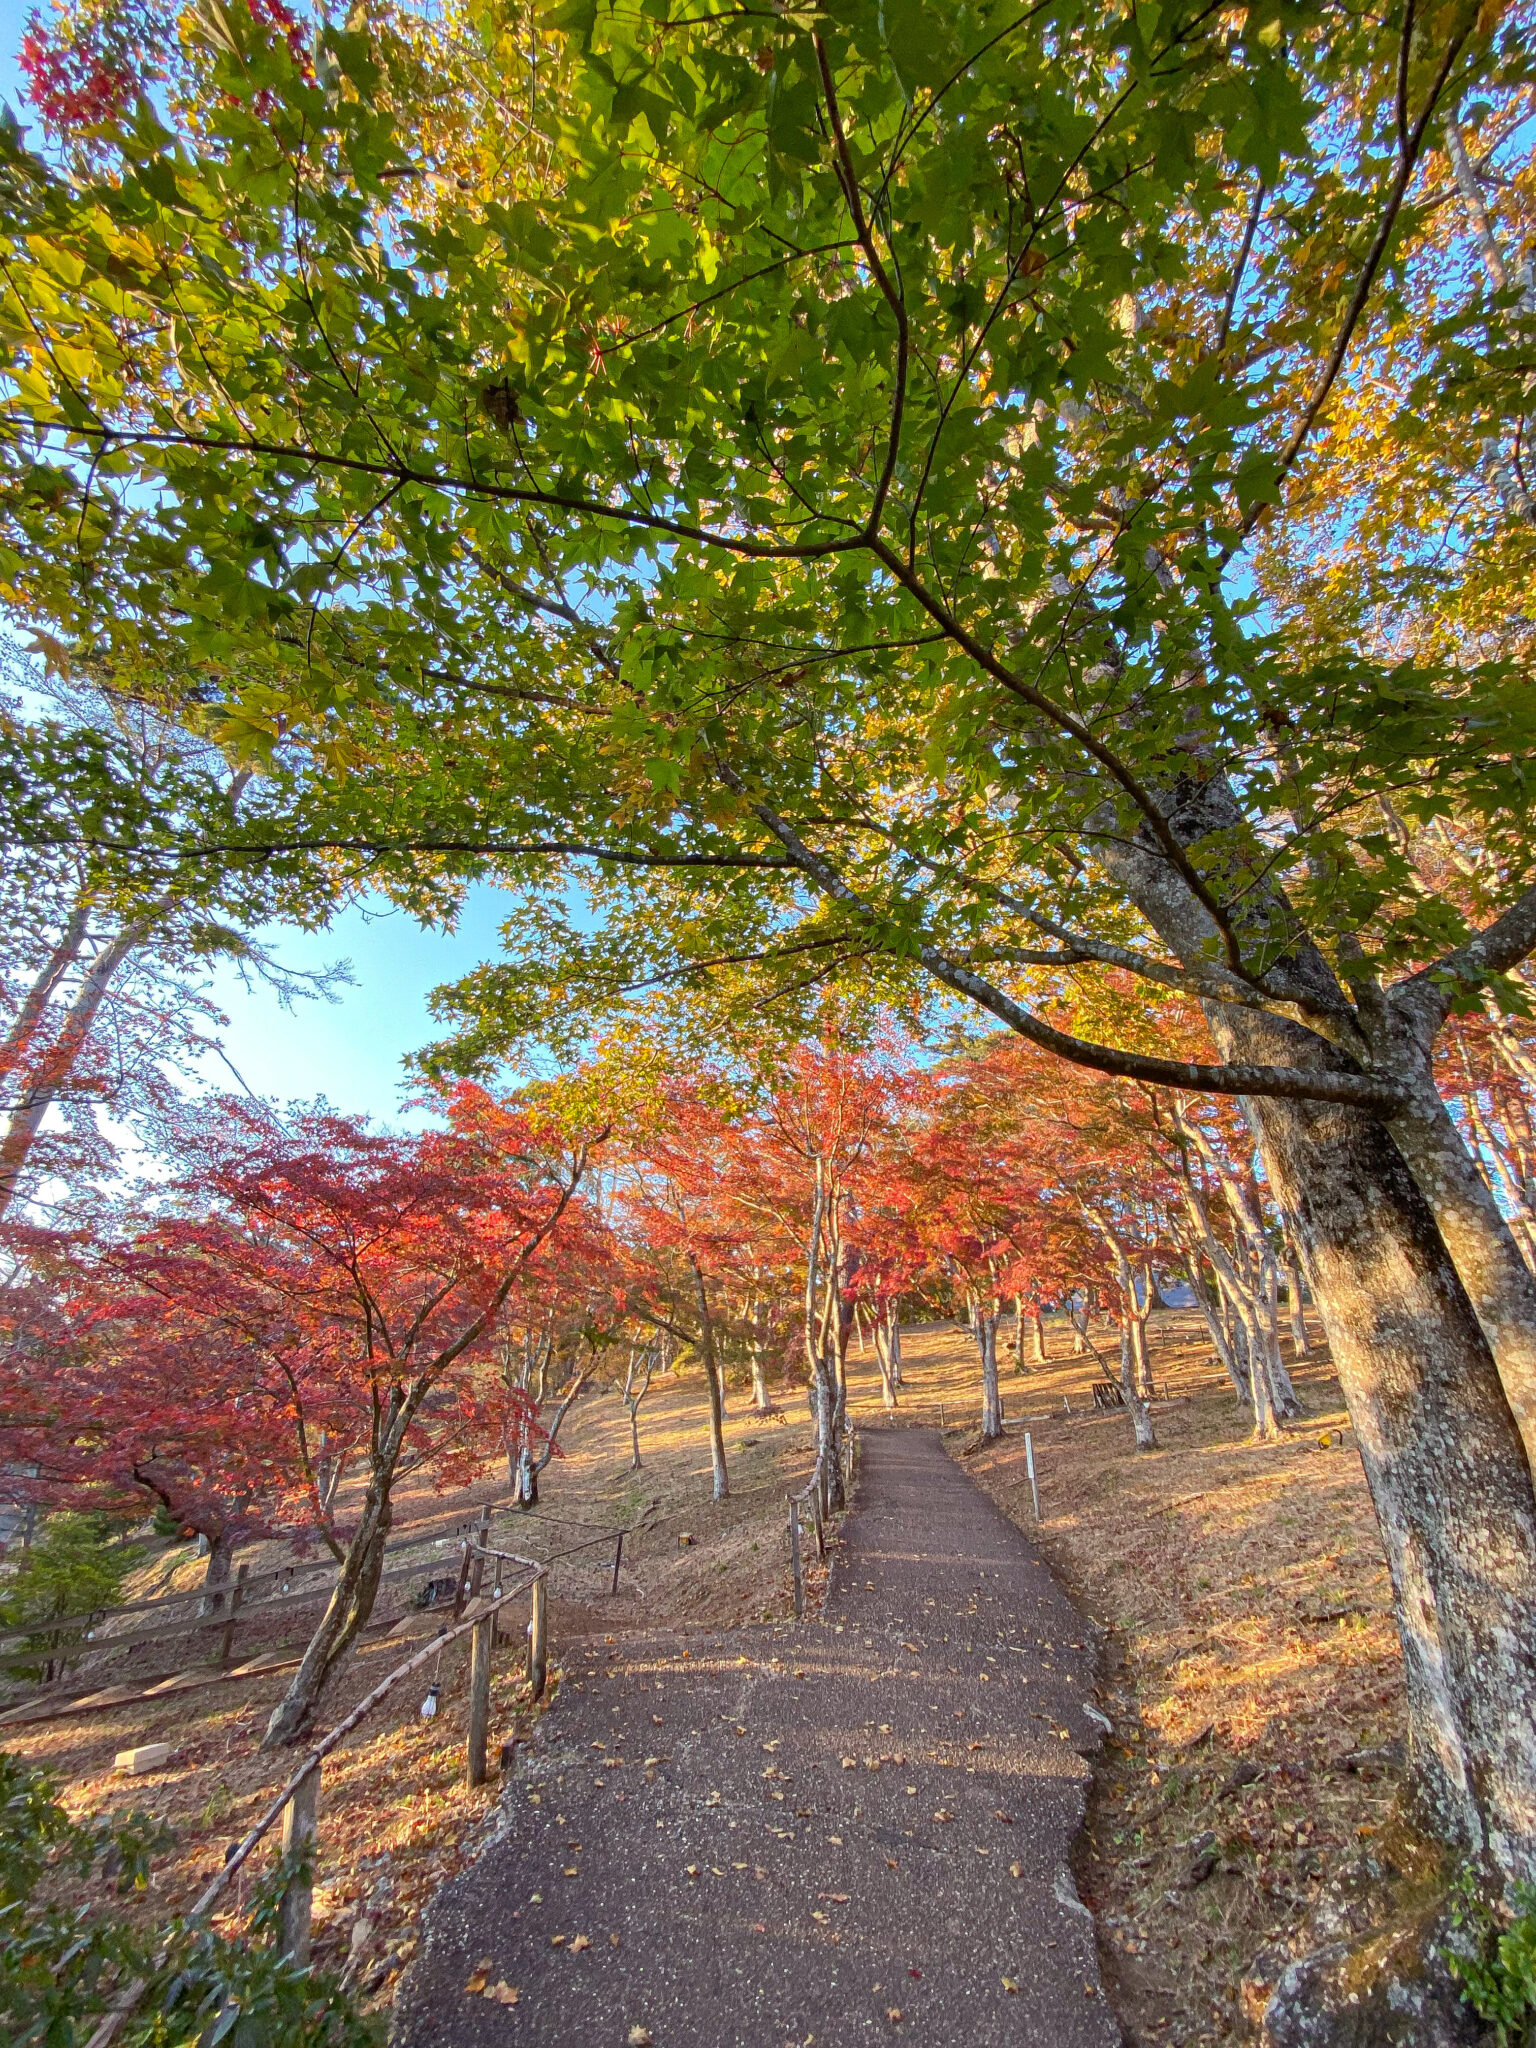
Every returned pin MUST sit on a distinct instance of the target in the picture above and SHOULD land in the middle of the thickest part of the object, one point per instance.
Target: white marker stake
(1029, 1460)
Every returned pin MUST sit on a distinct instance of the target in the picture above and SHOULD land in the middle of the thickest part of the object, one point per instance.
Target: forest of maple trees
(964, 576)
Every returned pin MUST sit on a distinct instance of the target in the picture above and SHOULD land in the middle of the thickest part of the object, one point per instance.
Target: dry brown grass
(396, 1818)
(1247, 1623)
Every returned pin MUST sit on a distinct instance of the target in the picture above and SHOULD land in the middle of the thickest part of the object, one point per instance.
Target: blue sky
(351, 1050)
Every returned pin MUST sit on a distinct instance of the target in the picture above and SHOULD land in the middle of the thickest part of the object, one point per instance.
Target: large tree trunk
(1443, 1457)
(1445, 1465)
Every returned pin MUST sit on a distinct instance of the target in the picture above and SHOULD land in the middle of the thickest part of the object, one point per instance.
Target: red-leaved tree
(328, 1287)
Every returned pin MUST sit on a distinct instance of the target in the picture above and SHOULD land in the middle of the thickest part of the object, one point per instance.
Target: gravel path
(833, 1832)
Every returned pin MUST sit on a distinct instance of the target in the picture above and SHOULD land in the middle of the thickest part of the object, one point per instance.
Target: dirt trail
(845, 1830)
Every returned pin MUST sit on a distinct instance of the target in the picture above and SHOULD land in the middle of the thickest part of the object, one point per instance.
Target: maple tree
(813, 479)
(112, 1398)
(322, 1292)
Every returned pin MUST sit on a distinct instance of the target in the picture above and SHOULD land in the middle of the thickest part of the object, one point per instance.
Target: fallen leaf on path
(943, 1814)
(640, 2037)
(891, 1863)
(836, 1898)
(475, 1983)
(1005, 1818)
(557, 1941)
(581, 1941)
(502, 1992)
(893, 2013)
(1015, 1870)
(693, 1869)
(1009, 1984)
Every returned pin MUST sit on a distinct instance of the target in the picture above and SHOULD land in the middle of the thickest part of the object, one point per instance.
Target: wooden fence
(216, 1616)
(297, 1802)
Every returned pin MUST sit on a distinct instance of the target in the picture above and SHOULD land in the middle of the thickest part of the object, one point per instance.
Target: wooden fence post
(538, 1640)
(821, 1534)
(794, 1559)
(461, 1590)
(482, 1540)
(299, 1825)
(618, 1559)
(479, 1699)
(236, 1601)
(1029, 1460)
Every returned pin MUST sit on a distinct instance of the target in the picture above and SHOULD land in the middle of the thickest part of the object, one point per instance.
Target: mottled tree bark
(984, 1322)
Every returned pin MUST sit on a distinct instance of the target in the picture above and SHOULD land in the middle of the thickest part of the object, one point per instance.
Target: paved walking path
(841, 1831)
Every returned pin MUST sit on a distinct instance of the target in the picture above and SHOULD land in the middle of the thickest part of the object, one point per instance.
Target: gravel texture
(844, 1830)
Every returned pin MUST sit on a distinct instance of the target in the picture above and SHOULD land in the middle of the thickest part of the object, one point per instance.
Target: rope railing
(296, 1803)
(817, 1492)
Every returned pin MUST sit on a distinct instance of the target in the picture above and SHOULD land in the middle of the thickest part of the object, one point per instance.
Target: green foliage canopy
(806, 472)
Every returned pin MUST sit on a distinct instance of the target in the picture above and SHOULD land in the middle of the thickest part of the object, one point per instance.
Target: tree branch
(1361, 1091)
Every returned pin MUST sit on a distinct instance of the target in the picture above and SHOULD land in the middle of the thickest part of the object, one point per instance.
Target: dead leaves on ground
(479, 1985)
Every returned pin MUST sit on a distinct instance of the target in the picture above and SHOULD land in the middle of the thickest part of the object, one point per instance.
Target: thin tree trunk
(24, 1026)
(984, 1322)
(1037, 1323)
(883, 1361)
(1488, 1261)
(1283, 1393)
(1215, 1325)
(1293, 1289)
(722, 1485)
(762, 1401)
(347, 1611)
(1141, 1414)
(49, 1077)
(1141, 1357)
(221, 1552)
